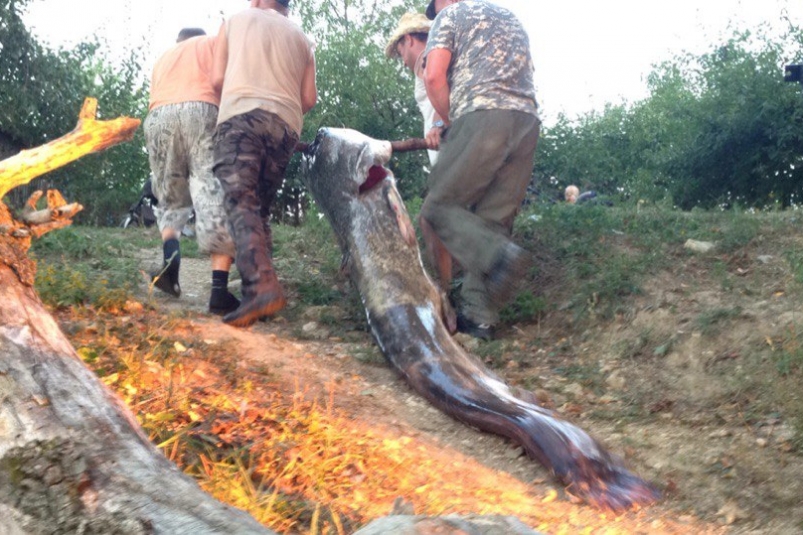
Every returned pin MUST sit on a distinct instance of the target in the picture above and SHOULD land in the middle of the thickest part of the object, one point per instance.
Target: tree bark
(72, 457)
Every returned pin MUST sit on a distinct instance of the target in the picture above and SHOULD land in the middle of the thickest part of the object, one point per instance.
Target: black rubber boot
(166, 279)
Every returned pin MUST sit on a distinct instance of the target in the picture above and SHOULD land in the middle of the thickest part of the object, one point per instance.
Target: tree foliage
(359, 88)
(718, 128)
(41, 93)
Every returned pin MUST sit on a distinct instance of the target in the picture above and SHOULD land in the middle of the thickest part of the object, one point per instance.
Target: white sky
(586, 52)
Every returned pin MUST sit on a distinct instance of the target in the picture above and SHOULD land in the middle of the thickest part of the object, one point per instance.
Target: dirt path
(366, 388)
(735, 478)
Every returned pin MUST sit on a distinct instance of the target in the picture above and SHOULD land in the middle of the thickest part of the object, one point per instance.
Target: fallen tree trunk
(72, 457)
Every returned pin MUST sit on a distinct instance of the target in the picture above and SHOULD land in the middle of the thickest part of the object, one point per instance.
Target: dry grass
(296, 463)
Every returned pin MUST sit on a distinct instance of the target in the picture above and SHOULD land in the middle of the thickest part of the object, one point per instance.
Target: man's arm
(438, 61)
(221, 59)
(309, 88)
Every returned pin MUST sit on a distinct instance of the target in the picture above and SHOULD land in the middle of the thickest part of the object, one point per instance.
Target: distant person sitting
(571, 193)
(179, 127)
(573, 196)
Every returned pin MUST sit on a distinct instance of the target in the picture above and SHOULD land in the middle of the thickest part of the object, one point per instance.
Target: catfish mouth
(376, 174)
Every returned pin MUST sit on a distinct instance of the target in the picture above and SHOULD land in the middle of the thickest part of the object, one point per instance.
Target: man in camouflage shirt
(479, 75)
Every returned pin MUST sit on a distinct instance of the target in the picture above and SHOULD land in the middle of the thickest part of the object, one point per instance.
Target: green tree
(41, 92)
(359, 88)
(747, 128)
(718, 128)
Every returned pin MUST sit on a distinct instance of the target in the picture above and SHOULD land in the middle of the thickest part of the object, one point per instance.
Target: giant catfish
(345, 172)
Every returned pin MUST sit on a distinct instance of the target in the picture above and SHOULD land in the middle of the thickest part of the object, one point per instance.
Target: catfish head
(352, 161)
(345, 172)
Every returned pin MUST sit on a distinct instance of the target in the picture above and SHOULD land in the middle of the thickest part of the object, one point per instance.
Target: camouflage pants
(475, 191)
(179, 142)
(252, 151)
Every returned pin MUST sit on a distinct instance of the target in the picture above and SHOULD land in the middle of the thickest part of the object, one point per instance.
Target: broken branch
(89, 135)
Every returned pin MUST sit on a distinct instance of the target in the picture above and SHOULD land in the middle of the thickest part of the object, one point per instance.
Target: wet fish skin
(404, 309)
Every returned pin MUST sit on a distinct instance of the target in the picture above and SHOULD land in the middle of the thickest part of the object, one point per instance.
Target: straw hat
(409, 23)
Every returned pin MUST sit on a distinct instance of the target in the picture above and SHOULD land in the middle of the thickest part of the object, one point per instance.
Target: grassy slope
(690, 363)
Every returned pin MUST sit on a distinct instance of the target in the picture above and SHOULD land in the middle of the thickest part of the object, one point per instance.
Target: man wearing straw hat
(407, 43)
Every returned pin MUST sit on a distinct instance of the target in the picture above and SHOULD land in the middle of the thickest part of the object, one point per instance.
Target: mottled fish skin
(403, 308)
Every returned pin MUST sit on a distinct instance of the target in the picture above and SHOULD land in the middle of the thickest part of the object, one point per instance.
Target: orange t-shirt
(262, 57)
(184, 74)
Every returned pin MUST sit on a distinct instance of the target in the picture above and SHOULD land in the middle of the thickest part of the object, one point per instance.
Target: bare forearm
(439, 96)
(437, 82)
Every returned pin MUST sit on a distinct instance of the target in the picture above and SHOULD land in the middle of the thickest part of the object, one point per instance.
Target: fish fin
(448, 314)
(402, 219)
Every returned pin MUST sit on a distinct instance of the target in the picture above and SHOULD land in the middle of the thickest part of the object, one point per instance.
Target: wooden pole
(403, 145)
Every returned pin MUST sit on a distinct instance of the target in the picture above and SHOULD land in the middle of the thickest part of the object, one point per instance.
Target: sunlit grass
(296, 463)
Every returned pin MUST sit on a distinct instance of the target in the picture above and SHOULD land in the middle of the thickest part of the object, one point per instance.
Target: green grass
(90, 266)
(95, 266)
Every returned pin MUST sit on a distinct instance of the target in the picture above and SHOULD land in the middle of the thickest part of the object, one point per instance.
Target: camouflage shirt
(491, 67)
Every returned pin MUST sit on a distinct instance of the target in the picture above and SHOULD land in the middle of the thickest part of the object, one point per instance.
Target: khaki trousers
(475, 191)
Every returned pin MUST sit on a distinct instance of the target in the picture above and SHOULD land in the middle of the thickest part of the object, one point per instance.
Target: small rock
(615, 381)
(699, 246)
(720, 433)
(514, 453)
(761, 442)
(574, 389)
(765, 258)
(731, 513)
(421, 525)
(784, 433)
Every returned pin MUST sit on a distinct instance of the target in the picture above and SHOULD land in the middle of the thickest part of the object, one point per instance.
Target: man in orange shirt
(178, 131)
(265, 67)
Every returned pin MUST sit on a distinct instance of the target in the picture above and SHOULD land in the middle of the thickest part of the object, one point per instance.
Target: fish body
(346, 174)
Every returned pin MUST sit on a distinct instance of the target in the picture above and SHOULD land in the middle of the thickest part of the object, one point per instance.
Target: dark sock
(222, 301)
(220, 279)
(172, 258)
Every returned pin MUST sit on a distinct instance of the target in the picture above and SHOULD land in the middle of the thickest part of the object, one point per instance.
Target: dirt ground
(658, 386)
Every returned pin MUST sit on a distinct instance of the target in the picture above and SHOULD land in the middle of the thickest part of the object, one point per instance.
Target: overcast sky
(586, 52)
